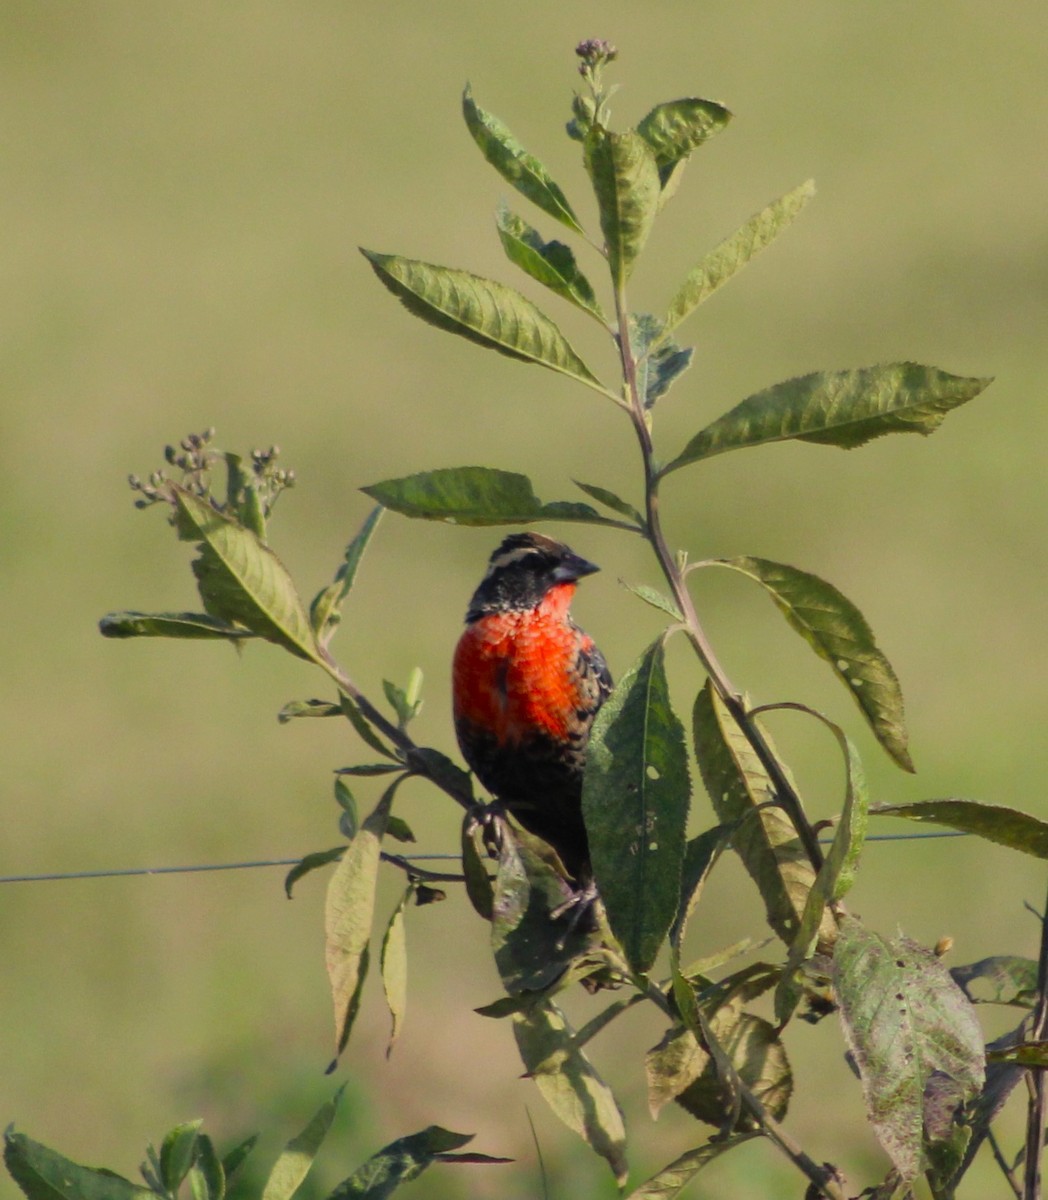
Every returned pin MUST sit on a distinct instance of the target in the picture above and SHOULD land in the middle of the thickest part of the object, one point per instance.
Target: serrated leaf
(838, 632)
(655, 598)
(1000, 979)
(674, 129)
(170, 625)
(903, 1019)
(325, 611)
(241, 580)
(308, 708)
(44, 1174)
(483, 311)
(570, 1084)
(394, 963)
(348, 915)
(994, 822)
(519, 168)
(727, 259)
(836, 408)
(399, 1162)
(177, 1153)
(610, 500)
(550, 263)
(741, 792)
(477, 496)
(626, 183)
(668, 1182)
(635, 799)
(292, 1167)
(311, 862)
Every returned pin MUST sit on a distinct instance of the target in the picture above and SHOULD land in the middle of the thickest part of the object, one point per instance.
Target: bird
(527, 683)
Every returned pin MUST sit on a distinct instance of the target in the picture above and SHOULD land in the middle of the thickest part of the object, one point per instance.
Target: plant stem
(784, 791)
(1035, 1114)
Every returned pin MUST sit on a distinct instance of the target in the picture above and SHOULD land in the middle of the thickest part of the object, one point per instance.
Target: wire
(122, 872)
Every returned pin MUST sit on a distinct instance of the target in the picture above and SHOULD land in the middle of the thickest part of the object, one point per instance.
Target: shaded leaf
(351, 711)
(479, 886)
(837, 408)
(326, 609)
(177, 1154)
(399, 1162)
(635, 803)
(764, 839)
(311, 862)
(207, 1177)
(700, 854)
(838, 632)
(481, 310)
(233, 1160)
(903, 1019)
(170, 625)
(994, 822)
(44, 1174)
(735, 252)
(241, 580)
(659, 360)
(399, 830)
(292, 1167)
(477, 496)
(1000, 979)
(368, 770)
(394, 960)
(348, 914)
(610, 500)
(626, 183)
(349, 822)
(550, 263)
(674, 129)
(668, 1182)
(519, 168)
(308, 708)
(570, 1085)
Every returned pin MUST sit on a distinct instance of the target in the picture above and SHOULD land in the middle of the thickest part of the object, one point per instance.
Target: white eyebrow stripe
(517, 554)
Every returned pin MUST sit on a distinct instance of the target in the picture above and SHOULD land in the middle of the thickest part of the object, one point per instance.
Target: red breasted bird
(527, 683)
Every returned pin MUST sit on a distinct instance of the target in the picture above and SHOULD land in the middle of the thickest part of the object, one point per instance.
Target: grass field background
(182, 194)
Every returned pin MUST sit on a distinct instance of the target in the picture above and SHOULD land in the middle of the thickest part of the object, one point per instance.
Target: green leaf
(399, 1162)
(668, 1182)
(177, 1154)
(241, 580)
(369, 770)
(44, 1174)
(1000, 979)
(311, 862)
(483, 311)
(308, 708)
(399, 830)
(674, 129)
(345, 799)
(635, 803)
(904, 1019)
(479, 887)
(735, 252)
(625, 178)
(550, 263)
(351, 711)
(519, 168)
(839, 633)
(741, 793)
(655, 598)
(837, 408)
(478, 496)
(325, 612)
(232, 1161)
(700, 854)
(570, 1084)
(348, 915)
(171, 625)
(292, 1167)
(611, 500)
(207, 1177)
(659, 360)
(1026, 1054)
(994, 822)
(394, 963)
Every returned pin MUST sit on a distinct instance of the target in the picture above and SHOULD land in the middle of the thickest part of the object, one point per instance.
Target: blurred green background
(183, 190)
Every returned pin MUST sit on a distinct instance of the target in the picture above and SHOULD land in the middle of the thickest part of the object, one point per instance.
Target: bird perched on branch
(527, 683)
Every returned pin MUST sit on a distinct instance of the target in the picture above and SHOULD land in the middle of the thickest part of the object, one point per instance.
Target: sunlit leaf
(994, 822)
(655, 598)
(170, 625)
(735, 252)
(515, 164)
(635, 803)
(838, 632)
(308, 708)
(668, 1182)
(903, 1019)
(394, 960)
(550, 263)
(325, 611)
(477, 496)
(44, 1174)
(625, 178)
(674, 129)
(292, 1167)
(838, 408)
(570, 1085)
(400, 1162)
(482, 310)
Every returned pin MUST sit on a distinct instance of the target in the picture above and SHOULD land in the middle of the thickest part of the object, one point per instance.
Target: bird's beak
(573, 567)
